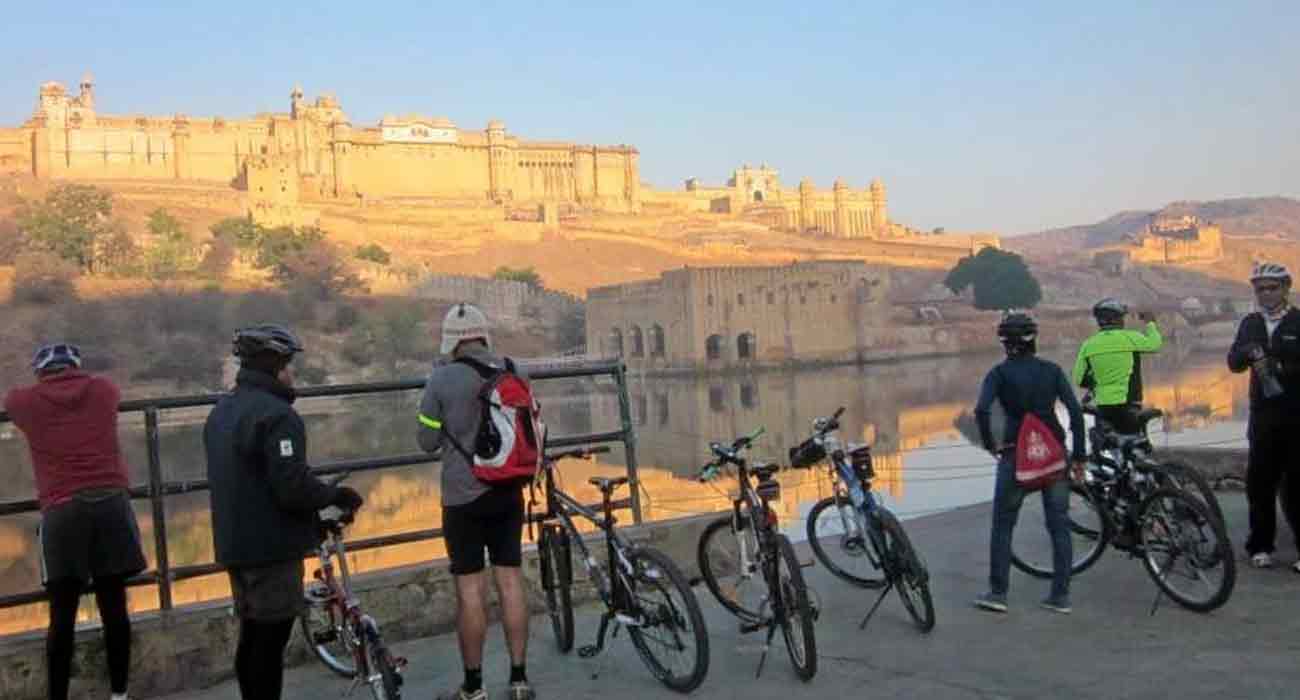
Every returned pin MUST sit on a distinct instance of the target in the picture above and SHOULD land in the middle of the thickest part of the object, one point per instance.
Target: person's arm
(284, 449)
(1150, 341)
(430, 420)
(1080, 373)
(984, 406)
(1239, 355)
(1066, 394)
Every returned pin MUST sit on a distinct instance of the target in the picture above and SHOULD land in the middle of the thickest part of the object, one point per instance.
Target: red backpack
(1040, 457)
(511, 434)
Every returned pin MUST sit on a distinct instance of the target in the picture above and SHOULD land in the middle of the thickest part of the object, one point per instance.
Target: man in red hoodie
(88, 531)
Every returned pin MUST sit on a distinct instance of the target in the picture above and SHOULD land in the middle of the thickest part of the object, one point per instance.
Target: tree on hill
(172, 252)
(1001, 280)
(68, 222)
(527, 275)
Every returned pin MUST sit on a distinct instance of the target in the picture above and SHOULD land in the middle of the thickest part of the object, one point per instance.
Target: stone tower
(498, 161)
(340, 142)
(807, 207)
(296, 102)
(87, 96)
(879, 208)
(841, 191)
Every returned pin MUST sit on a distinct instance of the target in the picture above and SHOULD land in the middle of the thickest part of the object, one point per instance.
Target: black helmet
(1018, 328)
(1109, 312)
(267, 338)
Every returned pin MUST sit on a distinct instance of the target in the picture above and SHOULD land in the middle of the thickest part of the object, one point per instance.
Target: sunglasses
(1267, 288)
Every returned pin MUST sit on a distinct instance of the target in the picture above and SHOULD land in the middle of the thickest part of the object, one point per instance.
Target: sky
(999, 117)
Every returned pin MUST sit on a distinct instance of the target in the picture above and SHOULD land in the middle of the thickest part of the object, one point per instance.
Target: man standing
(1110, 363)
(264, 502)
(88, 532)
(475, 515)
(1268, 344)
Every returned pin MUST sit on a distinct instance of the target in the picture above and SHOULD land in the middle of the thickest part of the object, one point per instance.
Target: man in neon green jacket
(1110, 363)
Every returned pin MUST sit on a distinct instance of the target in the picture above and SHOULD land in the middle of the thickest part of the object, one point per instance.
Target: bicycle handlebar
(580, 453)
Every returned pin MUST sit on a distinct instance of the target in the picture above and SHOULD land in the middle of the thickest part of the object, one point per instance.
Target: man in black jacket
(264, 502)
(1268, 344)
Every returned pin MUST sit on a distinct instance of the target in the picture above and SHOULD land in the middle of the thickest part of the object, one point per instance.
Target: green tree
(527, 275)
(373, 252)
(116, 252)
(317, 271)
(238, 230)
(1000, 278)
(68, 222)
(173, 251)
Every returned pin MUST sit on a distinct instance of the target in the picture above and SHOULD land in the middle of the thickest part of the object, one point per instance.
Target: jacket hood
(67, 389)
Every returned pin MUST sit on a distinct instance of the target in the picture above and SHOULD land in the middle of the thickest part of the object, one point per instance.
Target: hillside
(1276, 218)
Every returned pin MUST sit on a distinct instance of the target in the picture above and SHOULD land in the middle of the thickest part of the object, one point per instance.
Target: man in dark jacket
(1268, 344)
(264, 502)
(1024, 383)
(88, 532)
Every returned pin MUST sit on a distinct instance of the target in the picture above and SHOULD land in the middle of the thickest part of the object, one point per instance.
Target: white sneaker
(1262, 560)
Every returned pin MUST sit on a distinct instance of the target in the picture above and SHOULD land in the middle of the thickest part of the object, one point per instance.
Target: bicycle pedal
(588, 651)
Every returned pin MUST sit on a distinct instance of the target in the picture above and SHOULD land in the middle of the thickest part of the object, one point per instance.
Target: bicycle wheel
(910, 576)
(557, 577)
(836, 537)
(384, 681)
(1187, 478)
(672, 639)
(797, 614)
(1186, 550)
(729, 563)
(326, 630)
(1031, 544)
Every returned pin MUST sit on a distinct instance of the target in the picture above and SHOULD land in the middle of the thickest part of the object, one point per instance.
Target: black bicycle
(642, 589)
(853, 534)
(751, 568)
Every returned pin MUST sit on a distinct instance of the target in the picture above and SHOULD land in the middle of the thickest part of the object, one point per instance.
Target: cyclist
(264, 501)
(88, 532)
(1024, 383)
(1268, 344)
(475, 515)
(1109, 363)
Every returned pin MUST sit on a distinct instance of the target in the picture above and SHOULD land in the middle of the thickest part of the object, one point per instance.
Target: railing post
(163, 566)
(629, 439)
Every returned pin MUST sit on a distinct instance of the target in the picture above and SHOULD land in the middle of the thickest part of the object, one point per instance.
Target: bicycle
(751, 527)
(854, 523)
(343, 637)
(1137, 506)
(636, 586)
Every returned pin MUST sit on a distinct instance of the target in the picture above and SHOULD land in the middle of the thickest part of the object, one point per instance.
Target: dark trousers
(1269, 468)
(60, 638)
(259, 658)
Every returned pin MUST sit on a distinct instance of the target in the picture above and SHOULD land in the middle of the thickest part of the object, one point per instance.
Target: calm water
(910, 412)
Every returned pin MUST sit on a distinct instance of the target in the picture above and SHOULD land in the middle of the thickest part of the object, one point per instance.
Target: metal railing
(158, 489)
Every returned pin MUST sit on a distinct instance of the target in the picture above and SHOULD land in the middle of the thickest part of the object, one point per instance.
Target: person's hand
(347, 498)
(1146, 316)
(1076, 467)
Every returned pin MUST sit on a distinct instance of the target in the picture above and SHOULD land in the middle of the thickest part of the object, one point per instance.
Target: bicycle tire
(794, 601)
(557, 578)
(909, 574)
(385, 683)
(712, 549)
(1096, 538)
(1187, 478)
(328, 635)
(654, 569)
(1170, 505)
(825, 537)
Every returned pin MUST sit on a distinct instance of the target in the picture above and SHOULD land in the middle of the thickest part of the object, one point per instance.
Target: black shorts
(493, 521)
(267, 593)
(92, 536)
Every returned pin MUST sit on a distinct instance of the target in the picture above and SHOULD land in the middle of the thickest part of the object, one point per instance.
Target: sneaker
(520, 690)
(1296, 566)
(992, 603)
(459, 693)
(1057, 606)
(1261, 560)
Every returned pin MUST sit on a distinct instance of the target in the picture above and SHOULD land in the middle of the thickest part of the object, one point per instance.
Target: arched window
(661, 403)
(746, 348)
(713, 347)
(641, 409)
(657, 341)
(638, 343)
(717, 398)
(616, 342)
(758, 195)
(749, 395)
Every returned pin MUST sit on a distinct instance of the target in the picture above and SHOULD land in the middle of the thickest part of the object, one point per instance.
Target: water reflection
(910, 412)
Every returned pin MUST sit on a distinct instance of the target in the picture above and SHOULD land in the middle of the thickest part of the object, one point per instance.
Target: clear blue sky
(999, 118)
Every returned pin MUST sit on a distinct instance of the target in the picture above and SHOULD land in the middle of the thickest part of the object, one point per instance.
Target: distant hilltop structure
(315, 144)
(1166, 240)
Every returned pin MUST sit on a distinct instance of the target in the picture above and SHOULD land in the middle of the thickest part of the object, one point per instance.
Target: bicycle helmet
(1270, 271)
(56, 356)
(267, 338)
(1110, 312)
(1018, 328)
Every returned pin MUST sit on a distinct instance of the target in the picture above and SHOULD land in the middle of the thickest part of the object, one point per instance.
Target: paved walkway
(1109, 648)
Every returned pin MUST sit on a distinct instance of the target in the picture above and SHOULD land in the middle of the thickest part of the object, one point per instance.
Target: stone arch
(616, 342)
(657, 347)
(746, 346)
(758, 196)
(636, 340)
(713, 347)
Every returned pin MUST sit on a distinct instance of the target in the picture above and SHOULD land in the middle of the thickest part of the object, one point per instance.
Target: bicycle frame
(359, 627)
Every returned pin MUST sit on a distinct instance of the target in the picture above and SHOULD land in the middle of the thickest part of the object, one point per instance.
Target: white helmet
(464, 322)
(1270, 271)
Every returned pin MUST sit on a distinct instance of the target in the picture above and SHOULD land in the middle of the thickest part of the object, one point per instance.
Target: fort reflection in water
(908, 411)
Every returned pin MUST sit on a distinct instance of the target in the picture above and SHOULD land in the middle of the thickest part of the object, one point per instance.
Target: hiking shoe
(1061, 606)
(1261, 560)
(520, 690)
(459, 693)
(992, 603)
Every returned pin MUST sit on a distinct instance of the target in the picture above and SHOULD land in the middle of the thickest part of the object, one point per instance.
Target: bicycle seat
(607, 484)
(764, 470)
